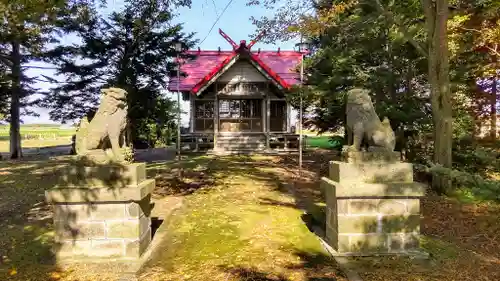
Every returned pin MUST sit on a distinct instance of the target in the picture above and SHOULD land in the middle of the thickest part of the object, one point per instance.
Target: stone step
(239, 144)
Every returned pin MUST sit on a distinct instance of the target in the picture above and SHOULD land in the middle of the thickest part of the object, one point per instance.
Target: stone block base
(373, 207)
(102, 222)
(109, 176)
(361, 189)
(374, 244)
(103, 248)
(113, 229)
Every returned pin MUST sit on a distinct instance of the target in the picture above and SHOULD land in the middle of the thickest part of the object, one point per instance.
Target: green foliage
(326, 142)
(131, 49)
(476, 185)
(473, 171)
(362, 49)
(337, 142)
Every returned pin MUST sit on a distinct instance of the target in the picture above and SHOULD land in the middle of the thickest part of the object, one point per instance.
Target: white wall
(242, 71)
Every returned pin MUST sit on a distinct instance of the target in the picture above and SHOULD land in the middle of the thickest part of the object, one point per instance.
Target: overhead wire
(216, 20)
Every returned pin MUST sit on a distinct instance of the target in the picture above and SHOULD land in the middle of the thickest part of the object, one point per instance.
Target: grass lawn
(462, 238)
(25, 220)
(322, 142)
(319, 141)
(236, 224)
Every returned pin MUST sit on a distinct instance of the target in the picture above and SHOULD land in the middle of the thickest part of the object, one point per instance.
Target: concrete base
(96, 221)
(373, 205)
(128, 268)
(371, 172)
(371, 156)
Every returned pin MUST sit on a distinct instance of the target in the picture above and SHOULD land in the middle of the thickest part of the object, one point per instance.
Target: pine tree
(131, 49)
(25, 32)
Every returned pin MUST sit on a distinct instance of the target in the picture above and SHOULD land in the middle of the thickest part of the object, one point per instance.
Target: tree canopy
(131, 49)
(422, 61)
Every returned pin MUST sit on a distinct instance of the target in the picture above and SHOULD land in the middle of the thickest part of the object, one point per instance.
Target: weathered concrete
(372, 207)
(107, 216)
(371, 172)
(370, 156)
(352, 188)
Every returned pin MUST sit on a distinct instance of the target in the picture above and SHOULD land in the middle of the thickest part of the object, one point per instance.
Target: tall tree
(25, 32)
(4, 92)
(131, 49)
(407, 18)
(436, 17)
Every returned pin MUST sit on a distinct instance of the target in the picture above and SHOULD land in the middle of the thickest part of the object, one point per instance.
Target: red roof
(280, 65)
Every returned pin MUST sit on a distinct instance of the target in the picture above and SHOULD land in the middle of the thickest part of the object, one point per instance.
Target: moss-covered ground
(236, 223)
(239, 225)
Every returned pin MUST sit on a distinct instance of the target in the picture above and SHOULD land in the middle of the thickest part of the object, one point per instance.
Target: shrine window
(278, 114)
(204, 115)
(240, 115)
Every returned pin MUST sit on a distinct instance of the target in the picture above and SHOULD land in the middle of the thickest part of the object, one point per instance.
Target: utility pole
(178, 48)
(302, 46)
(300, 110)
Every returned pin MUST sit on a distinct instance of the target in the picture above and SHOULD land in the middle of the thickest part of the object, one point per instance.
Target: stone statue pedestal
(102, 211)
(373, 205)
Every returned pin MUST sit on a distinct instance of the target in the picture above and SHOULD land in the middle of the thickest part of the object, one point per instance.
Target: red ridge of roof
(212, 73)
(279, 65)
(270, 71)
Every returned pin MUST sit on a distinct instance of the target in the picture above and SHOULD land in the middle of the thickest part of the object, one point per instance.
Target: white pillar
(216, 118)
(263, 114)
(288, 118)
(268, 120)
(192, 113)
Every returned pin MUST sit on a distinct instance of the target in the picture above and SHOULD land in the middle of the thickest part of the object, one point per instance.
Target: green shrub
(462, 181)
(337, 142)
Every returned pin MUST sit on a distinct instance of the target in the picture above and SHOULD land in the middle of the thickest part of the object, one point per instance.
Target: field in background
(37, 135)
(43, 135)
(38, 132)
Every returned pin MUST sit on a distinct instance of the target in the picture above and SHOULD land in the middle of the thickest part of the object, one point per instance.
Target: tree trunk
(15, 103)
(436, 20)
(493, 110)
(476, 109)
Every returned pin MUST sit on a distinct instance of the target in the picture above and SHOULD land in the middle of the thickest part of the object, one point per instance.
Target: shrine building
(237, 98)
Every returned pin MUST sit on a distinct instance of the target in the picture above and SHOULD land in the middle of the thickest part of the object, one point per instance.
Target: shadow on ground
(202, 172)
(312, 267)
(28, 248)
(463, 239)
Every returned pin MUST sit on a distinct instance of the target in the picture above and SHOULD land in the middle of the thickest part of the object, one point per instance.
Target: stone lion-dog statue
(363, 123)
(107, 128)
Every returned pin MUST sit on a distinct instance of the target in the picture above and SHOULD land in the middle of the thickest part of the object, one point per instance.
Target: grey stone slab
(103, 194)
(110, 175)
(360, 189)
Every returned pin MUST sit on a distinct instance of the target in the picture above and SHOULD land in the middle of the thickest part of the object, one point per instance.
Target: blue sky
(235, 22)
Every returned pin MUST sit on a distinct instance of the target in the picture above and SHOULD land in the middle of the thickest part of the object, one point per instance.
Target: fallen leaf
(13, 272)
